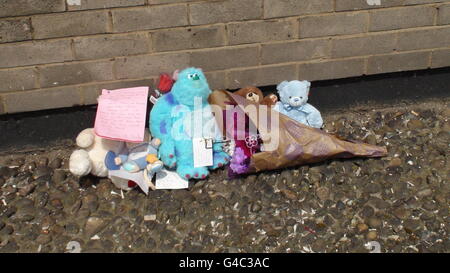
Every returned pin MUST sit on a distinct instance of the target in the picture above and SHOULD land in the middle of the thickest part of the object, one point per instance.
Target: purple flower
(237, 163)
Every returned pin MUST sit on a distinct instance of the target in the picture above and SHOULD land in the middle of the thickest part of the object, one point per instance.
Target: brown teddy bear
(255, 94)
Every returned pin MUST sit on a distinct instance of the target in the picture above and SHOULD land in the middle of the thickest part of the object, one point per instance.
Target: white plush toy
(90, 159)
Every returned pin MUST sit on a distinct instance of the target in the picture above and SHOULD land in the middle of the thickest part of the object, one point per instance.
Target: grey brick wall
(60, 53)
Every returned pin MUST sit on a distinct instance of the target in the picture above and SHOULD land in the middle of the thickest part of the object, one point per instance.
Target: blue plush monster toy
(293, 103)
(175, 121)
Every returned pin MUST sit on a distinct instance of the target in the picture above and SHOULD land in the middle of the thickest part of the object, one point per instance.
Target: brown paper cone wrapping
(299, 144)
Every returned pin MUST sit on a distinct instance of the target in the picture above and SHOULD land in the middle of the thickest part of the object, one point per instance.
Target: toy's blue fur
(168, 123)
(293, 103)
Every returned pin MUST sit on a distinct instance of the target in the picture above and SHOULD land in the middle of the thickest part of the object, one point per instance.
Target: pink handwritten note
(121, 114)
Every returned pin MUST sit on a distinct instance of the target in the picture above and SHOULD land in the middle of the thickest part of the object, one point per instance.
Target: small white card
(153, 99)
(203, 152)
(168, 180)
(137, 177)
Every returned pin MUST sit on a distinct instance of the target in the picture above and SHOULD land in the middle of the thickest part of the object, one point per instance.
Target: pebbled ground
(400, 202)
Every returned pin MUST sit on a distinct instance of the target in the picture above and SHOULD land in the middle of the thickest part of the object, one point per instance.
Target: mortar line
(430, 61)
(37, 81)
(222, 23)
(226, 35)
(189, 51)
(201, 1)
(31, 31)
(259, 54)
(366, 65)
(110, 26)
(151, 48)
(188, 13)
(72, 49)
(436, 14)
(2, 100)
(81, 95)
(114, 69)
(315, 61)
(263, 8)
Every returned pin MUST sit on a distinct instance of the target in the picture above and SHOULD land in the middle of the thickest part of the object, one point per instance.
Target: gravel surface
(400, 202)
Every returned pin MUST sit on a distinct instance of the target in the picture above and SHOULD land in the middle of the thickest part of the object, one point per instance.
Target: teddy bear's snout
(253, 97)
(295, 101)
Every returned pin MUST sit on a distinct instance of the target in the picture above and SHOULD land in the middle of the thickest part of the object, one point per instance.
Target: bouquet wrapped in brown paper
(275, 141)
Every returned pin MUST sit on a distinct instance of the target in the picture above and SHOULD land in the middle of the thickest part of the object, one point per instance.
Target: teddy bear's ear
(282, 85)
(307, 83)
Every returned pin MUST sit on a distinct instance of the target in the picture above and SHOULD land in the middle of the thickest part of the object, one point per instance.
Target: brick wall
(60, 53)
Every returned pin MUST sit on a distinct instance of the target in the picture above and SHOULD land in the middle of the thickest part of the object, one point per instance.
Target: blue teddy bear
(293, 103)
(174, 120)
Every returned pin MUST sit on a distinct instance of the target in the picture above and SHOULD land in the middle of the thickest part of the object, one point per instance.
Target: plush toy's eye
(194, 76)
(301, 98)
(290, 97)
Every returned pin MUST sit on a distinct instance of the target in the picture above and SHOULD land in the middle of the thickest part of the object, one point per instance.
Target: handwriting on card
(203, 152)
(121, 114)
